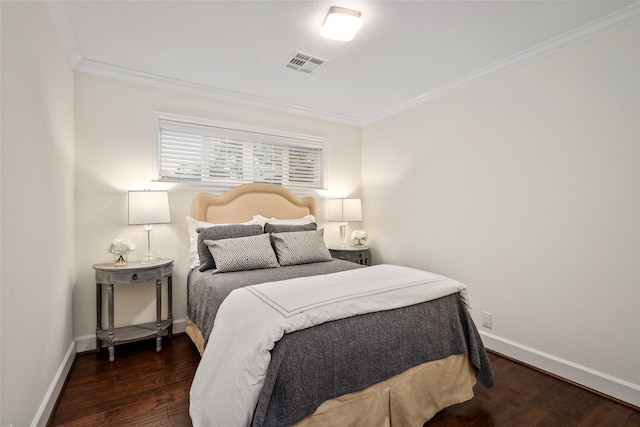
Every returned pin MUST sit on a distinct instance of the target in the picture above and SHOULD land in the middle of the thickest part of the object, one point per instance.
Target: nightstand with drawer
(131, 274)
(358, 254)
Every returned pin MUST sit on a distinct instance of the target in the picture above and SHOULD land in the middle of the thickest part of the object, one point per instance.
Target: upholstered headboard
(240, 204)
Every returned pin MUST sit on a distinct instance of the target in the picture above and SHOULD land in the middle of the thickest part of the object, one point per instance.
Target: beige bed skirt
(196, 336)
(407, 399)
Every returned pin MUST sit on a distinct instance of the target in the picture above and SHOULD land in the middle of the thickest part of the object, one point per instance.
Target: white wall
(526, 187)
(114, 142)
(37, 246)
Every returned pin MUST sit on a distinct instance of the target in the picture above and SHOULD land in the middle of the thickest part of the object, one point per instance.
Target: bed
(377, 346)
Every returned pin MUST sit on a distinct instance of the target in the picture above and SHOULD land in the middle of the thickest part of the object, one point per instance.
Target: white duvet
(251, 320)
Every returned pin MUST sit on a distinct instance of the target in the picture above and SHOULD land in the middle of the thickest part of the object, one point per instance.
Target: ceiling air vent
(304, 62)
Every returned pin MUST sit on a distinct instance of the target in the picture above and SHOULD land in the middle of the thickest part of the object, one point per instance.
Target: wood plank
(145, 388)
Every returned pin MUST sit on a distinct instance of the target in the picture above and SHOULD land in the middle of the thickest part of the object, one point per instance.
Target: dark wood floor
(145, 388)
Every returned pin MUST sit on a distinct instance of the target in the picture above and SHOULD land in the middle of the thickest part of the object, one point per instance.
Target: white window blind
(217, 154)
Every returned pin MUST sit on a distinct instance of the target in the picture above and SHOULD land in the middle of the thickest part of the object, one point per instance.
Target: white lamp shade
(341, 24)
(149, 207)
(344, 210)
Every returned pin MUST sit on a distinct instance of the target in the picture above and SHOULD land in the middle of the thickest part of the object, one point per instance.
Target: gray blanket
(315, 364)
(207, 290)
(329, 360)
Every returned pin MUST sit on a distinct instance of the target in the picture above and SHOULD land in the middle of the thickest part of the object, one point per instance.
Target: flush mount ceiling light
(341, 24)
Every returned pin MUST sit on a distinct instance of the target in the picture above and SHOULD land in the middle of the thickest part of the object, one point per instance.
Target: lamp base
(149, 259)
(343, 235)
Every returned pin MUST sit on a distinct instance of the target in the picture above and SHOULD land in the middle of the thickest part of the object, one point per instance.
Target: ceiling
(406, 52)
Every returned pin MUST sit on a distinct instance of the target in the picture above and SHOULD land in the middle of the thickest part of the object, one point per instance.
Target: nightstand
(132, 274)
(359, 255)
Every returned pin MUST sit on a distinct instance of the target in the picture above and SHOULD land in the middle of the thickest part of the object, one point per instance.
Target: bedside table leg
(98, 316)
(170, 304)
(158, 314)
(111, 333)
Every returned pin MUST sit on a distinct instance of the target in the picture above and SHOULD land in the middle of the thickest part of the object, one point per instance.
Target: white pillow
(307, 219)
(192, 226)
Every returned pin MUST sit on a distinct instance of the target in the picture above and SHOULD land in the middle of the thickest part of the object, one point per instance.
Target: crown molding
(61, 23)
(611, 22)
(112, 71)
(608, 23)
(63, 27)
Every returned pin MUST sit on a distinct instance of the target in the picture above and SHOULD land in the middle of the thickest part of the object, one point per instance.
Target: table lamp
(344, 210)
(147, 208)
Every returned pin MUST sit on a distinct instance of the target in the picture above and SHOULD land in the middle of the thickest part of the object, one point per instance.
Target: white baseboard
(587, 377)
(49, 401)
(598, 381)
(79, 345)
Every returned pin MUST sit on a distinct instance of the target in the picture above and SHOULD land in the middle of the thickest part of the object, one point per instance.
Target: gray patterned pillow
(220, 232)
(242, 253)
(300, 247)
(286, 228)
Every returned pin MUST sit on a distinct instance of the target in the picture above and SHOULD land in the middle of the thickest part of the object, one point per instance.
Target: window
(224, 154)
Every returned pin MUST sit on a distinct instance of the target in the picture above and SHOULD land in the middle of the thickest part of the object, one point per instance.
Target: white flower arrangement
(120, 248)
(359, 237)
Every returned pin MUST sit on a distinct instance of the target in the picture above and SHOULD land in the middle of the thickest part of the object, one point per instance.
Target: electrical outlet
(487, 320)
